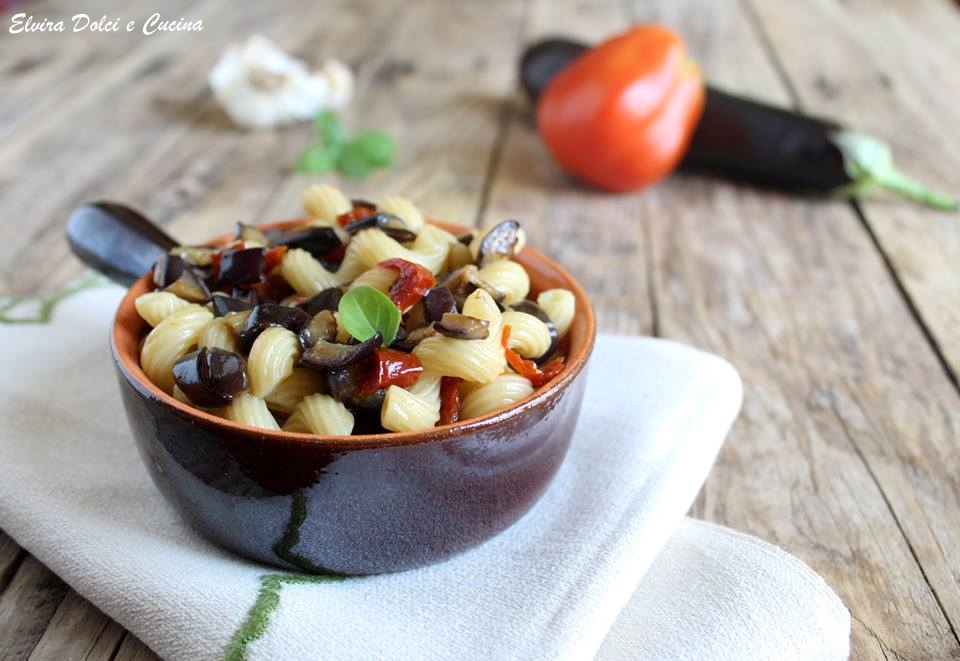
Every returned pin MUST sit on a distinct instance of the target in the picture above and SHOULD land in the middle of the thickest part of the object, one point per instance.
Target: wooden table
(843, 319)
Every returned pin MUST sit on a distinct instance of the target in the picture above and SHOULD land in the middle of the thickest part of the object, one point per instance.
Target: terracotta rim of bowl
(127, 322)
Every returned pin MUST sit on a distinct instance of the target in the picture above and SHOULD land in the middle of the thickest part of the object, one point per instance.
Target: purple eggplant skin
(318, 241)
(324, 356)
(328, 299)
(737, 138)
(392, 226)
(437, 302)
(222, 304)
(323, 326)
(268, 314)
(499, 243)
(240, 267)
(175, 274)
(343, 386)
(535, 310)
(167, 269)
(210, 377)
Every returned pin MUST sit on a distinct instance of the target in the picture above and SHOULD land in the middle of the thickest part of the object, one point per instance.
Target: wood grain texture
(863, 78)
(846, 451)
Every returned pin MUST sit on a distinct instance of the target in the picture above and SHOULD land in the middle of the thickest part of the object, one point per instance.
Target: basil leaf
(377, 147)
(317, 159)
(365, 311)
(353, 163)
(328, 127)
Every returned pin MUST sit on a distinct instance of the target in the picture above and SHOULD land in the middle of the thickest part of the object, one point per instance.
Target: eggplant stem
(868, 162)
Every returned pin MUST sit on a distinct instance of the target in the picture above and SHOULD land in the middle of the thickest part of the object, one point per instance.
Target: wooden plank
(131, 649)
(41, 71)
(854, 74)
(845, 346)
(579, 227)
(26, 607)
(10, 556)
(163, 145)
(435, 78)
(78, 630)
(907, 95)
(796, 296)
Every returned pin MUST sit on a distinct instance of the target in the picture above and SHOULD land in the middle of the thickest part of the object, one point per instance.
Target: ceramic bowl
(360, 504)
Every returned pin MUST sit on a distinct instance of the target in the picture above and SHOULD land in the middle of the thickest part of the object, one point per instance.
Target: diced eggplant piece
(328, 299)
(240, 267)
(499, 242)
(323, 327)
(268, 314)
(437, 302)
(466, 239)
(252, 234)
(392, 226)
(463, 327)
(247, 295)
(413, 338)
(174, 274)
(343, 386)
(535, 310)
(210, 377)
(464, 281)
(222, 304)
(318, 241)
(324, 356)
(167, 269)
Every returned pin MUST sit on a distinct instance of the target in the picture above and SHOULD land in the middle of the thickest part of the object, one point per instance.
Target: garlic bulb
(260, 86)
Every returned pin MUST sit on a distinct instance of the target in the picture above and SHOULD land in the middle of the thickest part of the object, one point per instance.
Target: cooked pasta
(370, 247)
(478, 361)
(218, 335)
(561, 306)
(291, 391)
(404, 411)
(505, 390)
(305, 274)
(155, 306)
(378, 277)
(260, 330)
(272, 357)
(250, 410)
(325, 202)
(171, 339)
(321, 414)
(405, 210)
(508, 277)
(529, 336)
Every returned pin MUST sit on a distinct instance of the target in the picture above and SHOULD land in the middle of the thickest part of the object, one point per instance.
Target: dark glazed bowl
(355, 504)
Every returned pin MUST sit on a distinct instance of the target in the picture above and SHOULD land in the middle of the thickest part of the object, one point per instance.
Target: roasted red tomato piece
(449, 400)
(273, 257)
(528, 368)
(413, 283)
(356, 213)
(390, 367)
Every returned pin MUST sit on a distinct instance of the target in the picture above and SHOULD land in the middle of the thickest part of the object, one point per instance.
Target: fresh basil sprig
(354, 157)
(365, 311)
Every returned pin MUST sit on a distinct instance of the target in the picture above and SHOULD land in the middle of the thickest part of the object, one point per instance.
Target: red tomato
(356, 213)
(528, 369)
(622, 115)
(413, 283)
(390, 367)
(449, 400)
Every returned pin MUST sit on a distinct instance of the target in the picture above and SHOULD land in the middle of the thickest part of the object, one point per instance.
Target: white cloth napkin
(73, 493)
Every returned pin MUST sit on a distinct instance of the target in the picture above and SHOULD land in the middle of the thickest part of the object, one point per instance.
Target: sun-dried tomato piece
(528, 369)
(273, 257)
(390, 367)
(356, 213)
(449, 400)
(413, 283)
